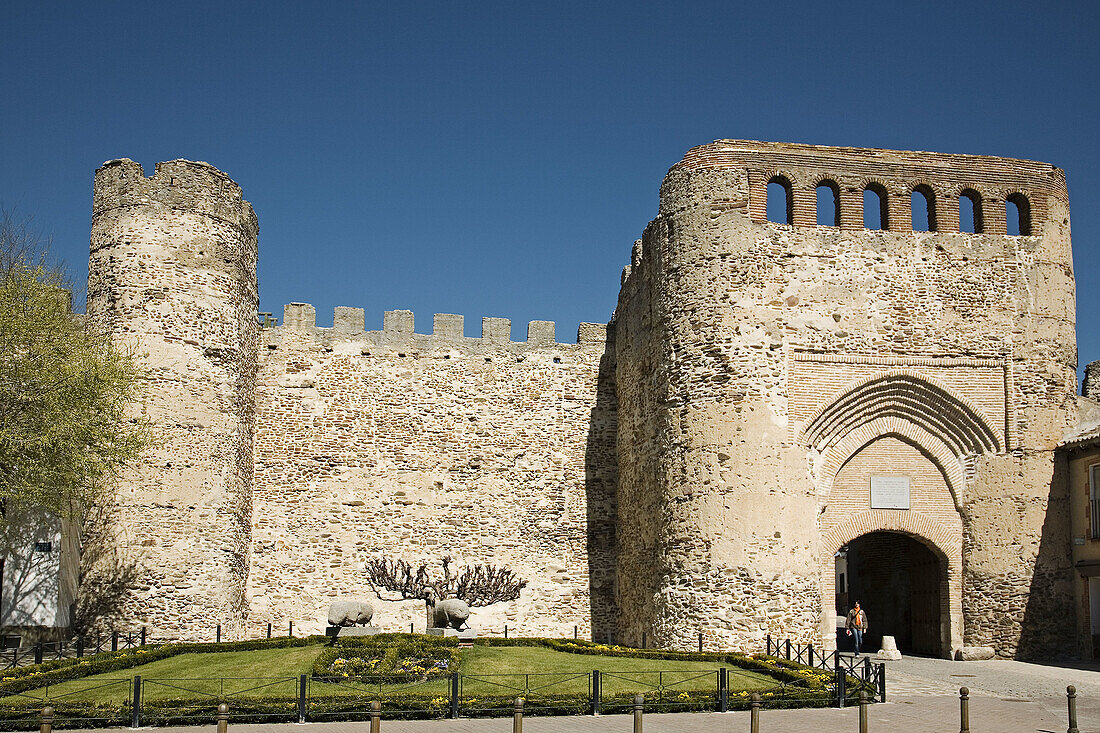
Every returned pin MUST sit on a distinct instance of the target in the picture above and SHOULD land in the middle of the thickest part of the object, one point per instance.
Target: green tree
(67, 424)
(66, 389)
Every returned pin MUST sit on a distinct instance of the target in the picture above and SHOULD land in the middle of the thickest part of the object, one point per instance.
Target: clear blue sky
(500, 159)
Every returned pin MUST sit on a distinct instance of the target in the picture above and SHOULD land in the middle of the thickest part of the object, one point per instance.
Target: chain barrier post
(754, 713)
(135, 708)
(596, 692)
(454, 695)
(47, 720)
(639, 704)
(223, 718)
(723, 690)
(517, 716)
(862, 711)
(964, 710)
(1071, 699)
(841, 682)
(303, 686)
(375, 717)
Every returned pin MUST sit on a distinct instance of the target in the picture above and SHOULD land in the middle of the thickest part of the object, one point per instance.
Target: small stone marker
(974, 653)
(889, 649)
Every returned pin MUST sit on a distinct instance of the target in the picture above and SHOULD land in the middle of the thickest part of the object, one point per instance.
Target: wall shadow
(1048, 627)
(601, 469)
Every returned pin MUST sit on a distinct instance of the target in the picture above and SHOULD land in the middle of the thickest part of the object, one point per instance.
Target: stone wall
(724, 473)
(397, 444)
(693, 474)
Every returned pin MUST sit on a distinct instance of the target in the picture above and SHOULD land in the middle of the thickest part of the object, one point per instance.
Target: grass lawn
(486, 670)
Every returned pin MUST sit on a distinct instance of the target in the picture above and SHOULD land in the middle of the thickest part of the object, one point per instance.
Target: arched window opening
(970, 212)
(1018, 215)
(875, 214)
(828, 204)
(780, 204)
(923, 203)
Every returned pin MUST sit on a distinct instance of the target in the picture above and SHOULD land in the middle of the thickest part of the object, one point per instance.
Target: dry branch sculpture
(474, 585)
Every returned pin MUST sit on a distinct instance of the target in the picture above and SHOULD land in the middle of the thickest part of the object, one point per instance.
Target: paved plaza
(1006, 696)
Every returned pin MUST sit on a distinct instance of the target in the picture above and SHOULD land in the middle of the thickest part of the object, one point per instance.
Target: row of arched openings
(876, 214)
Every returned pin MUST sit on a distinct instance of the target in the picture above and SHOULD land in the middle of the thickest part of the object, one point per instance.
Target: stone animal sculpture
(451, 612)
(350, 613)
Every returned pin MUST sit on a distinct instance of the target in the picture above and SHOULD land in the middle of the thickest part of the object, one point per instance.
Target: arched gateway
(892, 457)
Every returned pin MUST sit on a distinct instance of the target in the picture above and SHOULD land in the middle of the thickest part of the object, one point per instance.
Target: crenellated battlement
(942, 178)
(398, 329)
(176, 184)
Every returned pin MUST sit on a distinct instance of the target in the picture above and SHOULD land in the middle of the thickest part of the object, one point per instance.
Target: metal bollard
(1071, 697)
(964, 710)
(223, 718)
(517, 716)
(754, 713)
(375, 717)
(47, 720)
(862, 711)
(639, 703)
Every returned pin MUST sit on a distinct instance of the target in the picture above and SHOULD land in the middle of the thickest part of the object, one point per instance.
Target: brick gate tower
(173, 272)
(801, 392)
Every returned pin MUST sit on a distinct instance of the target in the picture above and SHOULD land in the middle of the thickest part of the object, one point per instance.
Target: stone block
(889, 649)
(399, 321)
(299, 316)
(540, 332)
(496, 329)
(448, 325)
(974, 653)
(348, 320)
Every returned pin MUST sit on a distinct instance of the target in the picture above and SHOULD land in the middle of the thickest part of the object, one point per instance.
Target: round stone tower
(814, 411)
(173, 272)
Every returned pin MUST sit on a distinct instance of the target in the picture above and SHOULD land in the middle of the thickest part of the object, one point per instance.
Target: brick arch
(911, 397)
(938, 452)
(944, 541)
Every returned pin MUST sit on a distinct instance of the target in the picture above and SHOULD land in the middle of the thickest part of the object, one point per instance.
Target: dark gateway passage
(898, 581)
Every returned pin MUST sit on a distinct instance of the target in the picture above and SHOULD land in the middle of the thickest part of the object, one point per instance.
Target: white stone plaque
(889, 492)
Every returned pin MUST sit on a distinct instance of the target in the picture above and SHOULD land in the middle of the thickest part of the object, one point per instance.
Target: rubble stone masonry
(691, 467)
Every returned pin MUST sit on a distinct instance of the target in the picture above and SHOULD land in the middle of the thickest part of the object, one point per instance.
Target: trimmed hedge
(781, 670)
(364, 658)
(20, 679)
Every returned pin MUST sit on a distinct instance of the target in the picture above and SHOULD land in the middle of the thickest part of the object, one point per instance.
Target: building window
(1094, 501)
(875, 208)
(1018, 215)
(780, 202)
(923, 203)
(828, 203)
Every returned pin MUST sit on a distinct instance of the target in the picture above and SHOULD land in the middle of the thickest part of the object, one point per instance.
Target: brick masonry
(691, 468)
